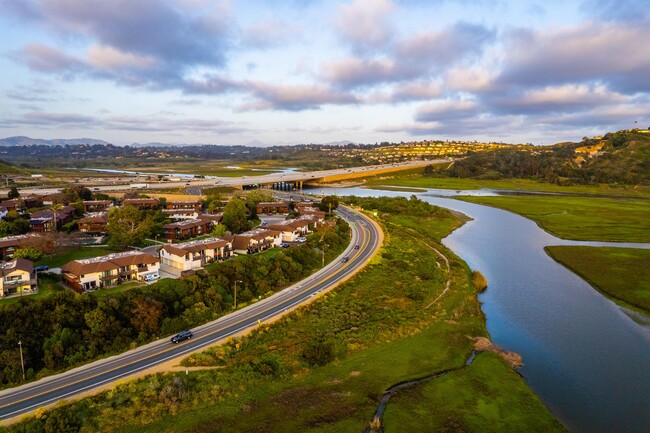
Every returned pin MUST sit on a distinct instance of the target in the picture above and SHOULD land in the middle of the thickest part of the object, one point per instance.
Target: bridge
(279, 181)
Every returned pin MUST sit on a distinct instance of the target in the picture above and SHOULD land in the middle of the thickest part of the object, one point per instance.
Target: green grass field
(59, 259)
(46, 287)
(324, 367)
(415, 179)
(453, 403)
(581, 218)
(623, 274)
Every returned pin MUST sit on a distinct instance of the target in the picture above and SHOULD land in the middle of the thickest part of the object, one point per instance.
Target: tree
(56, 207)
(127, 226)
(328, 203)
(219, 230)
(234, 216)
(13, 192)
(28, 253)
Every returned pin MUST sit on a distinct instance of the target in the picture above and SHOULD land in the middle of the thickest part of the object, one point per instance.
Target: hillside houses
(193, 255)
(110, 270)
(18, 277)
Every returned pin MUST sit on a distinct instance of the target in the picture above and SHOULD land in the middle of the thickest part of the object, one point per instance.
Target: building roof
(187, 224)
(16, 264)
(96, 217)
(108, 262)
(11, 241)
(196, 246)
(94, 202)
(137, 201)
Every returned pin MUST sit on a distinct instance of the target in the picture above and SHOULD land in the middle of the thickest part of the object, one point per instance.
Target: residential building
(188, 229)
(44, 221)
(142, 203)
(94, 223)
(9, 244)
(278, 207)
(255, 241)
(3, 212)
(291, 229)
(21, 203)
(96, 205)
(18, 276)
(196, 254)
(110, 270)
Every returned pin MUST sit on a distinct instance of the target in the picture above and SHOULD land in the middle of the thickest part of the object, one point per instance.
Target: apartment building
(196, 254)
(18, 277)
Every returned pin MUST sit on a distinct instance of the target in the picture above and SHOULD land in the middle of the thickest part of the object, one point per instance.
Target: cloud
(268, 33)
(623, 10)
(554, 99)
(447, 47)
(43, 58)
(607, 53)
(445, 110)
(420, 56)
(132, 42)
(161, 122)
(294, 97)
(364, 24)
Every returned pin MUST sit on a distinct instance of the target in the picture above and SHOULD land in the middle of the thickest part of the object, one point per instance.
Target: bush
(479, 281)
(318, 352)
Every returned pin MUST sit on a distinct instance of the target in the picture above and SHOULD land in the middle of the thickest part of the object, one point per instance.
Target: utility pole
(236, 281)
(22, 361)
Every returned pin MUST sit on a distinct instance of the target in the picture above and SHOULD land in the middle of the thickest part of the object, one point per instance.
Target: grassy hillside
(6, 168)
(616, 158)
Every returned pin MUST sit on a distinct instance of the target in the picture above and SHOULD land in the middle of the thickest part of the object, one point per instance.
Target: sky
(310, 71)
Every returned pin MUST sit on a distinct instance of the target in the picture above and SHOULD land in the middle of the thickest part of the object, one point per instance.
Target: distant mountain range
(27, 141)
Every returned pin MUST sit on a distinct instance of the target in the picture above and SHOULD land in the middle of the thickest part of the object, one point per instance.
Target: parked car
(41, 268)
(182, 336)
(284, 245)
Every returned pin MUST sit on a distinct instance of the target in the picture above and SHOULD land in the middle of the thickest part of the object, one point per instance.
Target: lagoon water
(587, 358)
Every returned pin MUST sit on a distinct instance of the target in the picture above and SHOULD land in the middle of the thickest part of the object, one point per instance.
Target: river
(587, 358)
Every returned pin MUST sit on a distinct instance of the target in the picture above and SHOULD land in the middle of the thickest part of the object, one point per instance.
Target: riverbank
(621, 274)
(325, 366)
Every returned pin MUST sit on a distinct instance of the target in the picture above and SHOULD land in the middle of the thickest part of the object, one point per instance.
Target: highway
(233, 181)
(17, 401)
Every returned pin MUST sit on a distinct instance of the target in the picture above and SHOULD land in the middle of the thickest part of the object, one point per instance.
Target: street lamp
(323, 257)
(236, 281)
(22, 361)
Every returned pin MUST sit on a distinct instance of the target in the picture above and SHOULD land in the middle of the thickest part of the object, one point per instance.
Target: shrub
(479, 281)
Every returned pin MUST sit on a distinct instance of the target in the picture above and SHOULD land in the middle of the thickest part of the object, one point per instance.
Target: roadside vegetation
(325, 366)
(622, 274)
(580, 218)
(66, 329)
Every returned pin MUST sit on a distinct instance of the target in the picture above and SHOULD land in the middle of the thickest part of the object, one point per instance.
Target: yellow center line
(366, 241)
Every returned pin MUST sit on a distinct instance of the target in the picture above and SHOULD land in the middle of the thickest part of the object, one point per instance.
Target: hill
(622, 157)
(6, 168)
(27, 141)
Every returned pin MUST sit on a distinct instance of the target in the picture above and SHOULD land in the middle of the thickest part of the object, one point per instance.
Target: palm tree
(55, 208)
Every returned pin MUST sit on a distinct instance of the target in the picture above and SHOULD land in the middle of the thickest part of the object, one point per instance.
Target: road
(24, 399)
(235, 181)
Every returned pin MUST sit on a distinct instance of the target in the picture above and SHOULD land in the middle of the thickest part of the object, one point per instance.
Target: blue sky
(287, 72)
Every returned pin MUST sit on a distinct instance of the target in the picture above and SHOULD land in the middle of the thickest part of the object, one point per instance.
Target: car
(345, 259)
(41, 268)
(356, 247)
(95, 189)
(182, 336)
(284, 245)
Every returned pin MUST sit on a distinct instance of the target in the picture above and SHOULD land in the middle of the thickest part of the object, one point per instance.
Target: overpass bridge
(296, 181)
(278, 181)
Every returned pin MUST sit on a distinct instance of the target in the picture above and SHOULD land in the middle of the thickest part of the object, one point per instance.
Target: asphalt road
(24, 399)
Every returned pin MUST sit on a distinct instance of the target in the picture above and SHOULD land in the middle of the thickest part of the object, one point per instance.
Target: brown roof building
(272, 207)
(94, 223)
(142, 203)
(110, 270)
